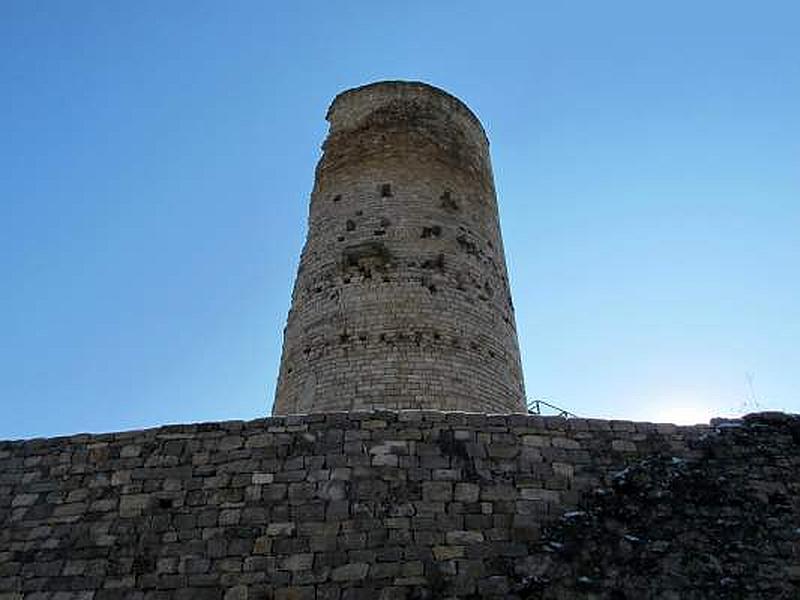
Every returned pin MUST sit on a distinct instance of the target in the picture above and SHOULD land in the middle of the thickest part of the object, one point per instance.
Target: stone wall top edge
(403, 84)
(407, 417)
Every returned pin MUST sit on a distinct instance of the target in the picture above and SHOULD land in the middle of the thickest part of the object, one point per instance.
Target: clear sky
(156, 160)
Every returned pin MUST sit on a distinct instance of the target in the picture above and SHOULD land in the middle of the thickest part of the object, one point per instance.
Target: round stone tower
(402, 297)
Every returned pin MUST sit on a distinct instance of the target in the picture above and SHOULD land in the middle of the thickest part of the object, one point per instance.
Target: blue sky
(156, 160)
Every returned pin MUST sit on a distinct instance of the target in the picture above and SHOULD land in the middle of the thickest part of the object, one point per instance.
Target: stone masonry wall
(402, 298)
(411, 504)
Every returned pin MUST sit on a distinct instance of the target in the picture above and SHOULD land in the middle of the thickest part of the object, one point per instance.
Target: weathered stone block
(238, 592)
(443, 553)
(456, 538)
(132, 505)
(437, 491)
(280, 529)
(350, 572)
(297, 562)
(623, 446)
(537, 441)
(466, 492)
(530, 493)
(262, 478)
(305, 592)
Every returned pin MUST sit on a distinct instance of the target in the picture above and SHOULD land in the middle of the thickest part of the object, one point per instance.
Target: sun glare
(687, 408)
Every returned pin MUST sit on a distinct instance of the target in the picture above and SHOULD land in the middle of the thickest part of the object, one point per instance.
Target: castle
(400, 462)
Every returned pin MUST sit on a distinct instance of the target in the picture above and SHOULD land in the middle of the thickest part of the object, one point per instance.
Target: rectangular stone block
(280, 529)
(350, 572)
(466, 492)
(461, 538)
(530, 493)
(297, 562)
(437, 491)
(132, 505)
(537, 441)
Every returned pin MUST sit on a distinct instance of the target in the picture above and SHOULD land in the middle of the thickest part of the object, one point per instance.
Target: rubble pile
(724, 526)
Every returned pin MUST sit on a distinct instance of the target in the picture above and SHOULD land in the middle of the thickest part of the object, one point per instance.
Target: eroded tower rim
(398, 85)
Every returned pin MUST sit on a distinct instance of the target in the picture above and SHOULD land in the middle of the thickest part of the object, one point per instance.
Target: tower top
(361, 100)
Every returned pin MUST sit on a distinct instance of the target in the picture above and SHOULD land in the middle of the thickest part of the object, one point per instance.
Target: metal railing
(535, 408)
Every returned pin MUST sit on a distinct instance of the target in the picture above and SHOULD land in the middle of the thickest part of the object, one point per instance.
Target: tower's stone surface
(402, 297)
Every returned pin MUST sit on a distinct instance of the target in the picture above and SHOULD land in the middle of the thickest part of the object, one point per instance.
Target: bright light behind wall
(684, 407)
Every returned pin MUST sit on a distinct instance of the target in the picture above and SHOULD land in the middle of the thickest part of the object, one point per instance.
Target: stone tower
(402, 297)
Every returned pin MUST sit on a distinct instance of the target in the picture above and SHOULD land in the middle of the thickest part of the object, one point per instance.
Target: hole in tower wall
(350, 225)
(386, 190)
(337, 197)
(434, 263)
(368, 253)
(432, 231)
(429, 285)
(448, 202)
(467, 245)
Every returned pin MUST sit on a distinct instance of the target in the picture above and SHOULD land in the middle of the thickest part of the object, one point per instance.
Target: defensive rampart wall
(412, 504)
